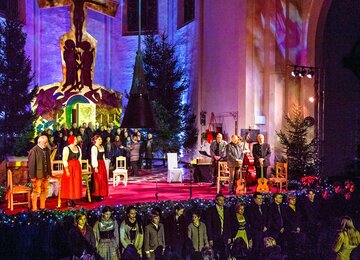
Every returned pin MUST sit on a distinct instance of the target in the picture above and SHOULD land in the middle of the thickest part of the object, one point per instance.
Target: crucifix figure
(77, 46)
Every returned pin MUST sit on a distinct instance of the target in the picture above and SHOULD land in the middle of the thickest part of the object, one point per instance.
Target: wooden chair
(15, 190)
(120, 171)
(53, 154)
(223, 174)
(281, 176)
(57, 171)
(86, 173)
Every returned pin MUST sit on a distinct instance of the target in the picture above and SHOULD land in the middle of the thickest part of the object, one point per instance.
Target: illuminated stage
(145, 188)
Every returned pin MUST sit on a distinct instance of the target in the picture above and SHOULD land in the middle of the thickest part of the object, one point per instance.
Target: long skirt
(108, 249)
(71, 185)
(99, 181)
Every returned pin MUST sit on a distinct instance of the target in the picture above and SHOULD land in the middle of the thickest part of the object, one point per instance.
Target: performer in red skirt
(71, 179)
(99, 182)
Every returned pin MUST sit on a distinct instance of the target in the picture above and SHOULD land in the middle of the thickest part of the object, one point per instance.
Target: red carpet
(139, 190)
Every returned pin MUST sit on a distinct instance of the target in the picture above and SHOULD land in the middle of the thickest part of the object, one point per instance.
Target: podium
(202, 169)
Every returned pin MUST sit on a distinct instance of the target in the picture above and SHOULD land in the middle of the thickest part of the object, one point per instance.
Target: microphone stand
(191, 181)
(156, 193)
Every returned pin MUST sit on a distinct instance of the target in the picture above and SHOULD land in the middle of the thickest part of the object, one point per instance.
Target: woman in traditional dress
(107, 236)
(99, 183)
(71, 179)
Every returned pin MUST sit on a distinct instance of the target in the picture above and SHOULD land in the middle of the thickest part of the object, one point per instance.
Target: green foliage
(22, 142)
(167, 84)
(300, 150)
(15, 79)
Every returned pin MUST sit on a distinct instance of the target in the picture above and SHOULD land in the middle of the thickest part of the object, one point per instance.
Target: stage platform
(150, 186)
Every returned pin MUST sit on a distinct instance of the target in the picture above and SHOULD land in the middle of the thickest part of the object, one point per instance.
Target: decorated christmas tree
(300, 149)
(16, 116)
(167, 85)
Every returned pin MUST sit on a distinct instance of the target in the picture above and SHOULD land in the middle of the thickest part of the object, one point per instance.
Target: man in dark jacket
(256, 214)
(218, 153)
(276, 219)
(176, 231)
(261, 152)
(39, 171)
(218, 226)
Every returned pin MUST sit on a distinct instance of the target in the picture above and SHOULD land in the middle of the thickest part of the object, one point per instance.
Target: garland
(52, 217)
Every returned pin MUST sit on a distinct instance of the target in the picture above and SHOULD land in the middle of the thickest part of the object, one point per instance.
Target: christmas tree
(301, 150)
(15, 78)
(167, 84)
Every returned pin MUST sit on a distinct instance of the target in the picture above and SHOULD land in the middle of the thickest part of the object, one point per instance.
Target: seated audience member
(107, 235)
(81, 240)
(197, 234)
(131, 232)
(348, 238)
(154, 241)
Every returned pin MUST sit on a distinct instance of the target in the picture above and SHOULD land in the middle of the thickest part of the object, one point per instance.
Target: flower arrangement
(310, 181)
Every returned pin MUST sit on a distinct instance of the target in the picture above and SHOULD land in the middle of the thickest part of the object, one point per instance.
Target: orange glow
(312, 99)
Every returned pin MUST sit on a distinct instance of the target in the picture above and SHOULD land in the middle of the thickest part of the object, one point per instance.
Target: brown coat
(37, 162)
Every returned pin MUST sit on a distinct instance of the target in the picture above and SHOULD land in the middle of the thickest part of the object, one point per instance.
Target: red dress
(71, 185)
(99, 182)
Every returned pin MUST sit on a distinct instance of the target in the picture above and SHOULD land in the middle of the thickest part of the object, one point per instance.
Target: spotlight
(310, 74)
(302, 72)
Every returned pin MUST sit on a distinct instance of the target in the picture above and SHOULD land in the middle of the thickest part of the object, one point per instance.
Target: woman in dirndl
(99, 179)
(71, 179)
(107, 236)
